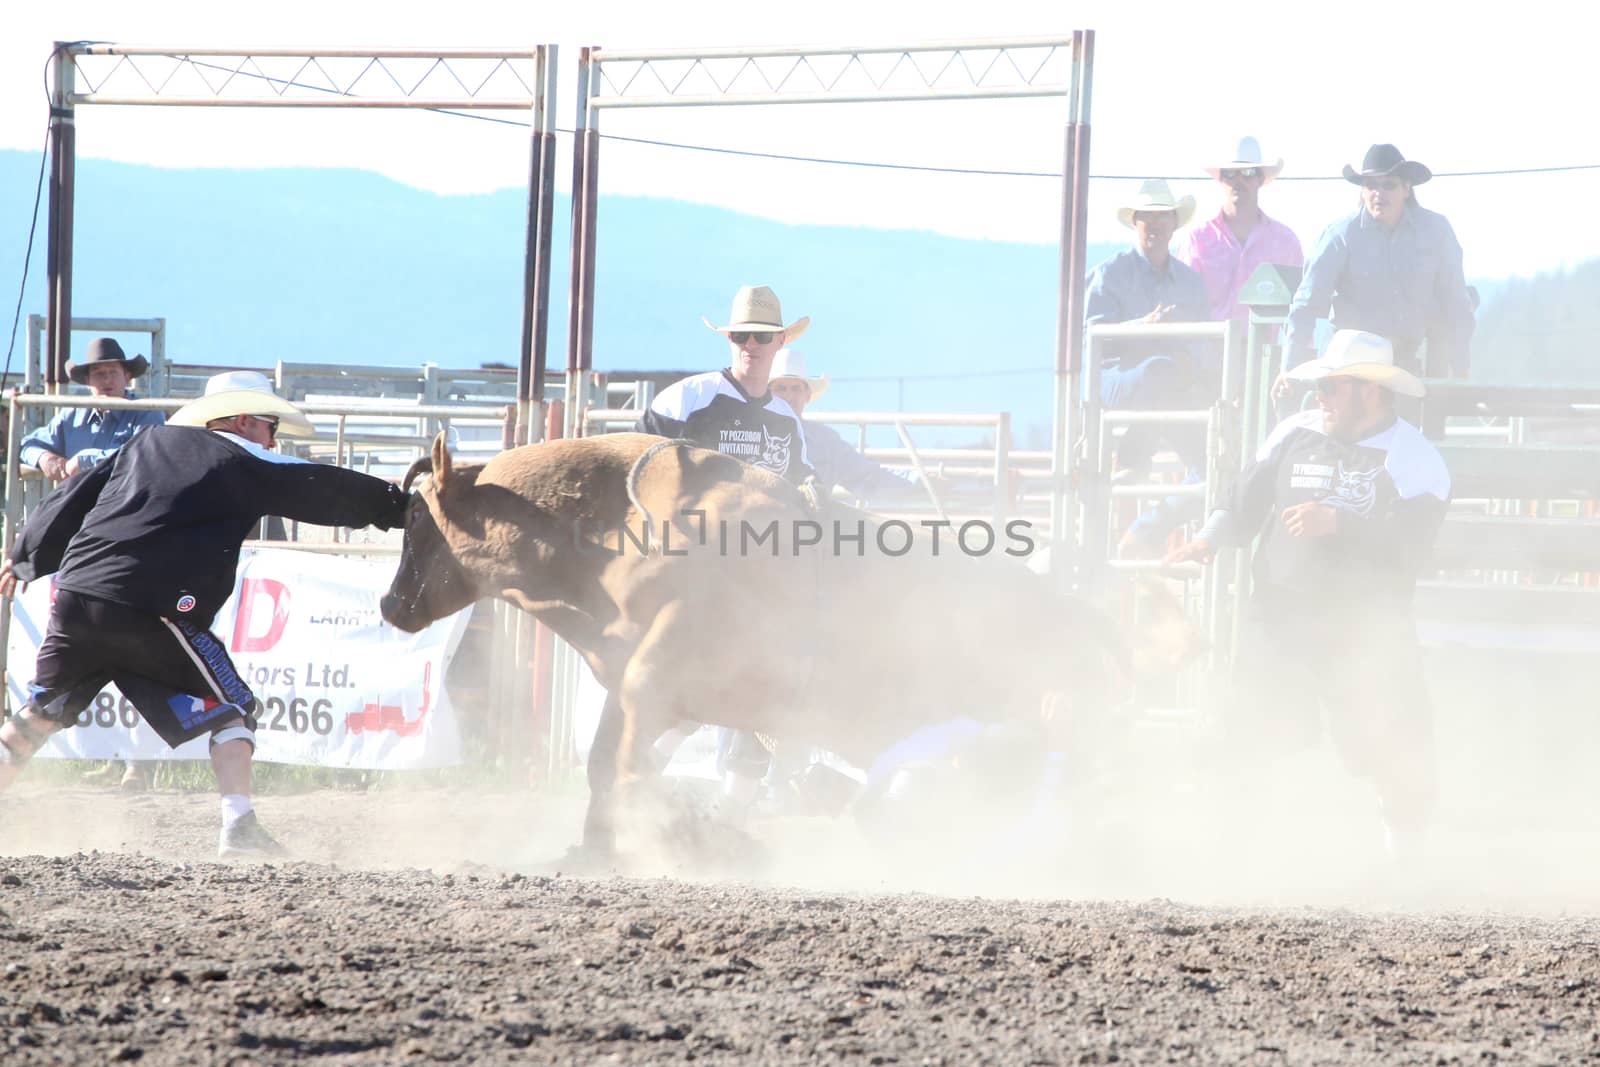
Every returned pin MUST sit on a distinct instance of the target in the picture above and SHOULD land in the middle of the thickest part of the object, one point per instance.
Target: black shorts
(178, 675)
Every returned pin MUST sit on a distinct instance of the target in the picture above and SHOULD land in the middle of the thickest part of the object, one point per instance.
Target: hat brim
(1392, 378)
(79, 372)
(1184, 209)
(818, 386)
(790, 332)
(1407, 170)
(230, 402)
(1268, 172)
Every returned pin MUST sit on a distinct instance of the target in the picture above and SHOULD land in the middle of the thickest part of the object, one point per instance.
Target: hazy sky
(1175, 85)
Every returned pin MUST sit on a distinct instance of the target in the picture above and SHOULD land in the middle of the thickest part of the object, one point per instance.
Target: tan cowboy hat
(1359, 354)
(756, 307)
(105, 350)
(1246, 155)
(242, 392)
(1154, 195)
(790, 364)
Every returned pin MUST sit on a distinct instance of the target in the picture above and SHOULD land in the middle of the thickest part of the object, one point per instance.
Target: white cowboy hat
(1247, 154)
(791, 364)
(1154, 195)
(1358, 354)
(756, 307)
(242, 392)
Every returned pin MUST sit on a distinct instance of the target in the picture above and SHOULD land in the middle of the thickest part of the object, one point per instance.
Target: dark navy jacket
(159, 526)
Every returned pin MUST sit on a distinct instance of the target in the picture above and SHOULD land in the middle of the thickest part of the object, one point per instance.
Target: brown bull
(849, 645)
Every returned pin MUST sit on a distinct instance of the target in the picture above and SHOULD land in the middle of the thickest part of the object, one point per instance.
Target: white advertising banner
(339, 687)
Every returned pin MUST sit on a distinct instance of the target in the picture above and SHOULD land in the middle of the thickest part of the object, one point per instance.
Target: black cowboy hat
(105, 350)
(1385, 159)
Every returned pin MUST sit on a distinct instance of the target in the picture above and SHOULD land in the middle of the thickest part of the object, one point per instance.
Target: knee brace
(234, 733)
(29, 731)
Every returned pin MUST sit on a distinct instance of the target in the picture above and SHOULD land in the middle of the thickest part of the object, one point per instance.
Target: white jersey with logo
(712, 411)
(1390, 490)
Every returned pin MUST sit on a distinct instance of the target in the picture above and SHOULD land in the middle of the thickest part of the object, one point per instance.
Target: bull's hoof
(714, 848)
(586, 861)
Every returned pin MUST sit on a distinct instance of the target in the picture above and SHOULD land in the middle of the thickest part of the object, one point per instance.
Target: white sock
(667, 744)
(234, 806)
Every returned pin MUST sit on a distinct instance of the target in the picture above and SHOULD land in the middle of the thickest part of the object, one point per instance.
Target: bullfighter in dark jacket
(145, 548)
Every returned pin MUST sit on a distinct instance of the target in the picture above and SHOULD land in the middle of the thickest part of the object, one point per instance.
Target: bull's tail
(637, 471)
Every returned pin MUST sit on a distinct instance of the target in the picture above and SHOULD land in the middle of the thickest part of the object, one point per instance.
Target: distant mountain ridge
(345, 266)
(348, 266)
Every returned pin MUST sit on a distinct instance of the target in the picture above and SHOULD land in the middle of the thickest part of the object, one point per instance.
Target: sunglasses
(760, 337)
(1329, 386)
(270, 420)
(1388, 185)
(1242, 172)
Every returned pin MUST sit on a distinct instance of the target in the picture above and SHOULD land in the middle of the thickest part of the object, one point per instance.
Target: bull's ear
(441, 462)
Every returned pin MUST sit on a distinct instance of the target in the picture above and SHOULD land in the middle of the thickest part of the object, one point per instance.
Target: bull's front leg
(599, 821)
(630, 724)
(664, 685)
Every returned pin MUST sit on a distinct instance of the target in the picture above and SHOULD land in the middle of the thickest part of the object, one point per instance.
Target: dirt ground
(420, 925)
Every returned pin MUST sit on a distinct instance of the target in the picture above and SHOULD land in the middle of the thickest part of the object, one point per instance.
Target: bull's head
(430, 582)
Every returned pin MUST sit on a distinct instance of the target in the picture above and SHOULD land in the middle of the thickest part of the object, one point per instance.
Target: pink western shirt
(1211, 249)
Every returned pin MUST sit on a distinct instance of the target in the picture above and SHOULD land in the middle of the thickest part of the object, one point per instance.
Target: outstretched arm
(331, 496)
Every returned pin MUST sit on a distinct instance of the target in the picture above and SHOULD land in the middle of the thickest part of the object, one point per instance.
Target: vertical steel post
(30, 373)
(529, 373)
(591, 231)
(1002, 473)
(580, 302)
(536, 261)
(547, 214)
(158, 359)
(575, 245)
(1069, 301)
(63, 148)
(546, 723)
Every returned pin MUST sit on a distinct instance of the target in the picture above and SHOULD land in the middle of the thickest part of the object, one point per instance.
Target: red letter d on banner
(249, 590)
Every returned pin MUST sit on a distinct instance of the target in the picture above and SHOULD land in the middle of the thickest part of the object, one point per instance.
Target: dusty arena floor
(427, 925)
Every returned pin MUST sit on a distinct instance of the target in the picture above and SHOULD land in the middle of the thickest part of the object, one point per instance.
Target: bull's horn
(420, 466)
(441, 461)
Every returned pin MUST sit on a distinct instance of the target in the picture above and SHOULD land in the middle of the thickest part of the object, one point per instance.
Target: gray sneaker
(246, 840)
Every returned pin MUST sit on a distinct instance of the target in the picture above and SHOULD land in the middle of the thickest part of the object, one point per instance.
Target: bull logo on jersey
(1354, 491)
(774, 452)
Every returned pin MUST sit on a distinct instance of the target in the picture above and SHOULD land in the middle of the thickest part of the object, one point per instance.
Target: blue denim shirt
(87, 433)
(1126, 287)
(838, 463)
(1405, 284)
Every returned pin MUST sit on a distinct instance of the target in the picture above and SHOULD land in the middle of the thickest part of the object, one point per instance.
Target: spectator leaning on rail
(1229, 248)
(80, 439)
(1348, 500)
(835, 462)
(733, 410)
(1392, 268)
(145, 550)
(1146, 284)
